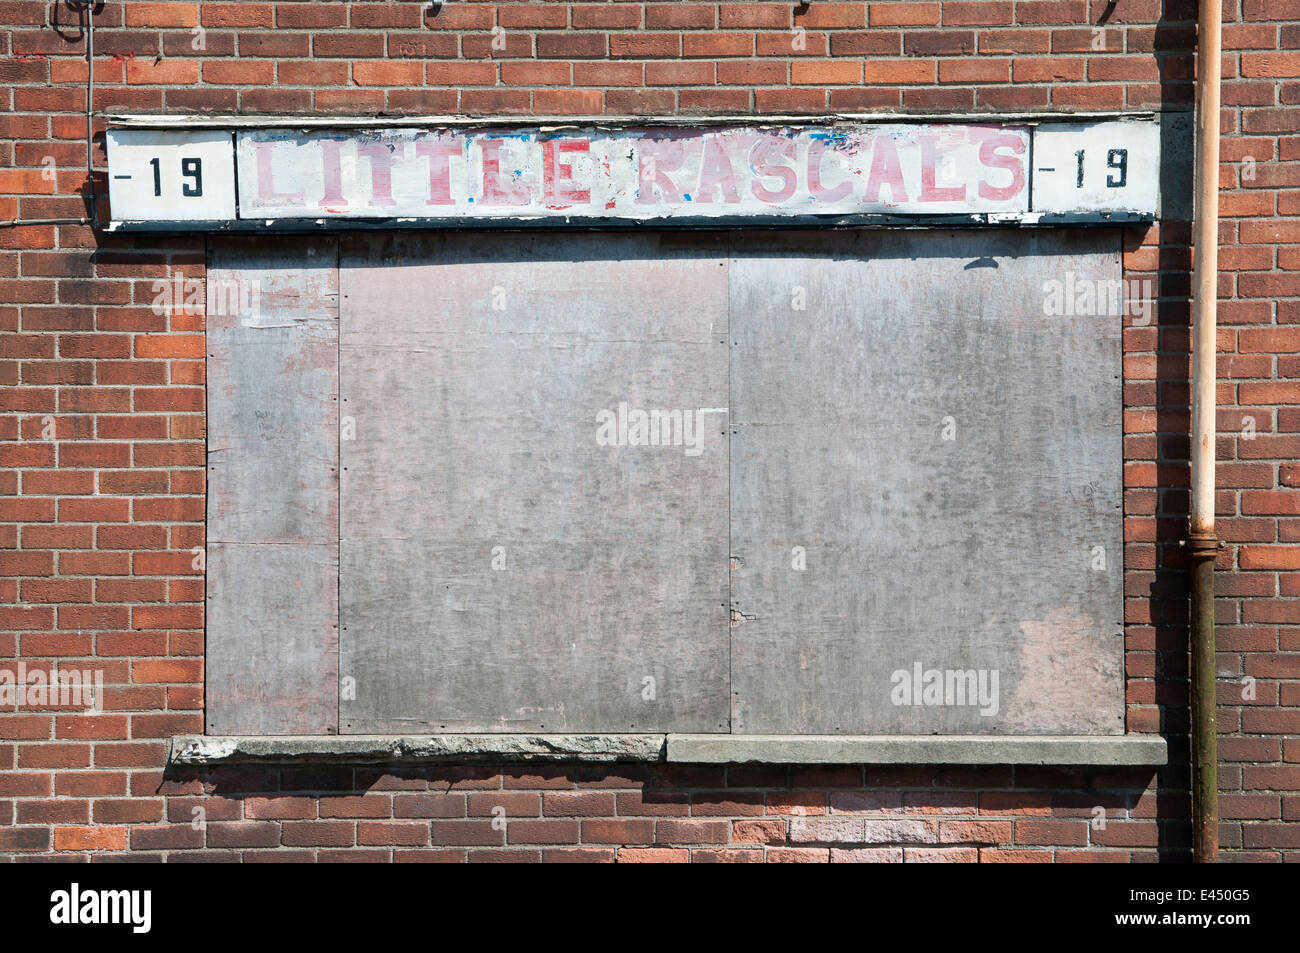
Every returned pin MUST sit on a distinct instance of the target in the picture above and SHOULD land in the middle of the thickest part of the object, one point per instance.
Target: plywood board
(272, 573)
(506, 564)
(907, 442)
(865, 543)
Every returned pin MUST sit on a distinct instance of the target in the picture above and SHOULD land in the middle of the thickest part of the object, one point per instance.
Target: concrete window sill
(1075, 750)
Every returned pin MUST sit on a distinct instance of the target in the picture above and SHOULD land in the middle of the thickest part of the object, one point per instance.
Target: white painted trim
(224, 121)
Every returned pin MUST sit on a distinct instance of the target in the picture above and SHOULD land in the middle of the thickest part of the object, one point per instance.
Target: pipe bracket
(1201, 545)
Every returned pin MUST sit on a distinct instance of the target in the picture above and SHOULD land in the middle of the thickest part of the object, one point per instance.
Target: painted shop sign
(973, 172)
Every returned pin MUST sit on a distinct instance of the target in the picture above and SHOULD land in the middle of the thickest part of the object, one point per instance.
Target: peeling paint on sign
(971, 173)
(638, 174)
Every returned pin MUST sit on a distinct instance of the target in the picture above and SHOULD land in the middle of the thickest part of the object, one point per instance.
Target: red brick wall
(97, 522)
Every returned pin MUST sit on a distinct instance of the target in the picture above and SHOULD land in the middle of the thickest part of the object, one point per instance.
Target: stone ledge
(1079, 750)
(376, 749)
(1109, 750)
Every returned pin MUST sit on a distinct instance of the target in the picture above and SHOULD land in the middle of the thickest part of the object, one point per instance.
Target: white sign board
(641, 174)
(963, 172)
(173, 175)
(1110, 166)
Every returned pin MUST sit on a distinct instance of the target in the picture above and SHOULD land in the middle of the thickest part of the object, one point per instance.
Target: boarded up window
(758, 482)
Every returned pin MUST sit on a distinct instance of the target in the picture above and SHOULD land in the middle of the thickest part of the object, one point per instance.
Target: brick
(654, 803)
(939, 42)
(726, 855)
(166, 837)
(800, 803)
(162, 14)
(318, 833)
(975, 832)
(893, 72)
(585, 17)
(542, 832)
(842, 829)
(694, 831)
(392, 833)
(243, 834)
(448, 856)
(468, 833)
(504, 803)
(940, 855)
(1015, 803)
(1269, 557)
(578, 855)
(367, 805)
(899, 831)
(89, 838)
(826, 73)
(572, 45)
(904, 14)
(388, 74)
(578, 803)
(653, 855)
(798, 855)
(726, 804)
(1033, 831)
(30, 839)
(1127, 834)
(969, 13)
(617, 831)
(866, 855)
(279, 808)
(429, 805)
(352, 856)
(52, 811)
(995, 855)
(758, 831)
(511, 855)
(128, 810)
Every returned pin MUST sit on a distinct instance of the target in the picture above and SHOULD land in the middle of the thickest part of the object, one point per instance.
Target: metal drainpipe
(1202, 546)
